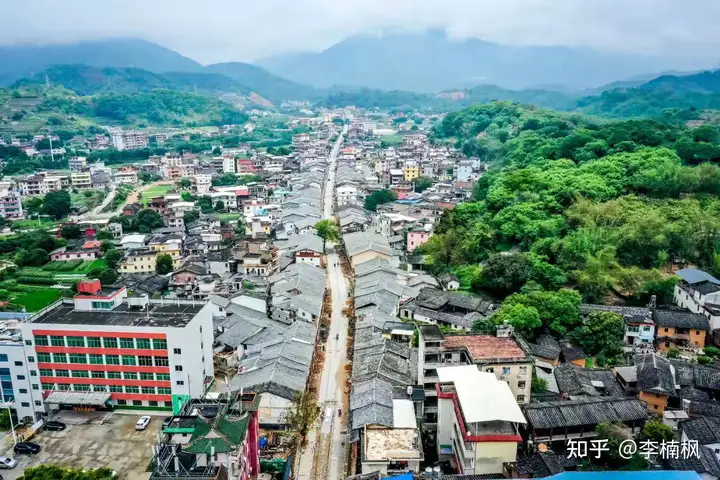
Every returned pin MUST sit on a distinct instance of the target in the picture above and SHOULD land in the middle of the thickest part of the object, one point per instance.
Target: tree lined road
(325, 440)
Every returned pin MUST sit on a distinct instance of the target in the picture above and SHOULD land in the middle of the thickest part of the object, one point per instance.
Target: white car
(142, 423)
(7, 462)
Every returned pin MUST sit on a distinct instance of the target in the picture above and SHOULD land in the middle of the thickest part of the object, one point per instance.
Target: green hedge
(37, 280)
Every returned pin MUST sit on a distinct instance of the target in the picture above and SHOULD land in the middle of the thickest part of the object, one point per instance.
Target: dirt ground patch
(114, 444)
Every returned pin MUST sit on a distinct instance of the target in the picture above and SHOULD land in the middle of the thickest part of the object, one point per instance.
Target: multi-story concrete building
(347, 195)
(478, 420)
(19, 374)
(141, 260)
(81, 179)
(77, 164)
(411, 170)
(125, 350)
(128, 140)
(126, 175)
(203, 183)
(10, 202)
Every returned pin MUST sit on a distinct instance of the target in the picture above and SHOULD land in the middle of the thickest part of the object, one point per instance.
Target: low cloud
(226, 30)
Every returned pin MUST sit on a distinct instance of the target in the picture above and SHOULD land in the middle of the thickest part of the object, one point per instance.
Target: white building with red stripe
(478, 419)
(103, 349)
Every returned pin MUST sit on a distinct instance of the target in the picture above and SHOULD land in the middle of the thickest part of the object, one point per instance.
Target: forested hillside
(607, 207)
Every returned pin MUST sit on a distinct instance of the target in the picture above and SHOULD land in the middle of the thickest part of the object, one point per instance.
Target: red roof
(486, 347)
(91, 244)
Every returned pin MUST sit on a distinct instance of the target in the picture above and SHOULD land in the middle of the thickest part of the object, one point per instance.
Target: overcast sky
(243, 30)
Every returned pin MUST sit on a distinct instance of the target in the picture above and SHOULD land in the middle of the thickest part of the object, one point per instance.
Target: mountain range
(128, 66)
(431, 61)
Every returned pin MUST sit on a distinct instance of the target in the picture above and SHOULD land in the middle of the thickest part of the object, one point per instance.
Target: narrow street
(323, 458)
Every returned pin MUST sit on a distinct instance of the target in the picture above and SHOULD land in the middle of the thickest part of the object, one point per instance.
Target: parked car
(54, 426)
(166, 422)
(27, 447)
(142, 423)
(7, 462)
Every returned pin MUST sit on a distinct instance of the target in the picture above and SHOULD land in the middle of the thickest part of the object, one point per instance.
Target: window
(48, 386)
(162, 362)
(666, 329)
(25, 404)
(180, 382)
(146, 376)
(522, 371)
(18, 363)
(41, 340)
(22, 390)
(129, 360)
(38, 403)
(102, 305)
(142, 343)
(112, 359)
(150, 390)
(697, 332)
(75, 341)
(162, 376)
(80, 374)
(158, 344)
(521, 384)
(169, 404)
(78, 358)
(129, 375)
(96, 359)
(31, 359)
(63, 386)
(62, 373)
(178, 368)
(110, 342)
(127, 343)
(505, 370)
(99, 388)
(59, 358)
(163, 391)
(177, 351)
(129, 389)
(3, 357)
(122, 402)
(137, 403)
(21, 377)
(97, 374)
(116, 388)
(57, 340)
(490, 370)
(35, 386)
(153, 403)
(81, 388)
(94, 342)
(521, 398)
(33, 373)
(145, 361)
(113, 374)
(43, 357)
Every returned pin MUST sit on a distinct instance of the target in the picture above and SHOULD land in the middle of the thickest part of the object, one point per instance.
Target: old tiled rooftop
(486, 347)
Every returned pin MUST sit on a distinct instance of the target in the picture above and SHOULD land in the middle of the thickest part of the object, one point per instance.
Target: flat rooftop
(176, 316)
(486, 347)
(392, 444)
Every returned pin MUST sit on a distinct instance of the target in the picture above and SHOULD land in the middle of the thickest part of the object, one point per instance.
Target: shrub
(711, 351)
(37, 280)
(673, 353)
(704, 360)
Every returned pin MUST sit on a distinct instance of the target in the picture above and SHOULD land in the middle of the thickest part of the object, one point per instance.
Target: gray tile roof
(371, 403)
(358, 242)
(573, 380)
(706, 463)
(571, 413)
(278, 365)
(680, 319)
(634, 314)
(702, 429)
(654, 374)
(385, 359)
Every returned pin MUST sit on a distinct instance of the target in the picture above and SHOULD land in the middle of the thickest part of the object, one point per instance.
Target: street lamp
(8, 405)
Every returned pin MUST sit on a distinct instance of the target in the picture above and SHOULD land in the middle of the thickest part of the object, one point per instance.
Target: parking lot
(88, 443)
